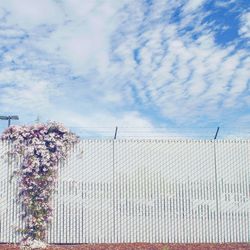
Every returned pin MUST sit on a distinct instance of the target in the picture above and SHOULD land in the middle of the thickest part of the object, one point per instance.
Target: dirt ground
(141, 246)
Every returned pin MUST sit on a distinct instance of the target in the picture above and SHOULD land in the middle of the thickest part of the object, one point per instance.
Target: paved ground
(141, 246)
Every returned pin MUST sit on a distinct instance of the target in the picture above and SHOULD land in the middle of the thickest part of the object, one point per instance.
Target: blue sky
(138, 64)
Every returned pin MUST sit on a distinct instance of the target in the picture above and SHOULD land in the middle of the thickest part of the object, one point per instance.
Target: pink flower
(42, 146)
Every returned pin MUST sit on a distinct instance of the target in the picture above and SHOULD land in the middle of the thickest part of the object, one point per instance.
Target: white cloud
(20, 90)
(130, 125)
(245, 25)
(28, 14)
(125, 56)
(193, 5)
(11, 33)
(182, 76)
(83, 41)
(80, 31)
(224, 4)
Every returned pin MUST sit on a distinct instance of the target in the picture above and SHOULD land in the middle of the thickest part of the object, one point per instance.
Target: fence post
(114, 185)
(216, 191)
(7, 219)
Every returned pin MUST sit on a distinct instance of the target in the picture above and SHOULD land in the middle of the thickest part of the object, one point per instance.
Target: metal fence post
(216, 191)
(113, 177)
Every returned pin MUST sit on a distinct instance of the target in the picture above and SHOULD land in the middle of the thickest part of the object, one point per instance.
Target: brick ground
(141, 246)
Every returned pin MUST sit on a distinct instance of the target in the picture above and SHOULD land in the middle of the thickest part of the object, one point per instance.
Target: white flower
(33, 244)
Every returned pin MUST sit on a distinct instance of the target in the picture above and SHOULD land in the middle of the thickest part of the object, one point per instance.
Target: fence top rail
(164, 140)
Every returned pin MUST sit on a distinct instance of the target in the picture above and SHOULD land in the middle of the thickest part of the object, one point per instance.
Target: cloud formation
(151, 62)
(178, 66)
(245, 25)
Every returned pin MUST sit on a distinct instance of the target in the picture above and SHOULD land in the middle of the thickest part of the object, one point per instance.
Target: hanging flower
(41, 146)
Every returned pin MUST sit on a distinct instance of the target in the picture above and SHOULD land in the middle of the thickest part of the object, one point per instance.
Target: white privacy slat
(142, 190)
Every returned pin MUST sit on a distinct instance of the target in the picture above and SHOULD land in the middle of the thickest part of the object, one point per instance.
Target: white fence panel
(10, 209)
(164, 191)
(142, 190)
(233, 165)
(84, 199)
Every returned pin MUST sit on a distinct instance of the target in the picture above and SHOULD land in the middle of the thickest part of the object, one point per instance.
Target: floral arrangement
(41, 147)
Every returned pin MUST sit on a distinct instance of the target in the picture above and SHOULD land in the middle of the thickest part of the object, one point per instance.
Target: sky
(162, 67)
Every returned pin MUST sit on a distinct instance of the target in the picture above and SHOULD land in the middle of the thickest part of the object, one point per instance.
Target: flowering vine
(41, 147)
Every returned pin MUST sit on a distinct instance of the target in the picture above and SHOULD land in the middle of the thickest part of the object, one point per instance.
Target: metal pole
(216, 134)
(114, 188)
(9, 118)
(116, 129)
(216, 190)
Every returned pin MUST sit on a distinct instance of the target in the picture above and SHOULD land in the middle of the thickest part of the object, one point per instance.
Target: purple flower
(42, 146)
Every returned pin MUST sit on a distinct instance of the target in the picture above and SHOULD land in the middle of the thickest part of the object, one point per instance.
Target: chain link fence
(180, 191)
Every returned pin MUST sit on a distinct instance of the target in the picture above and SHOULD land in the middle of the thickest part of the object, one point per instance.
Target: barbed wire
(178, 132)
